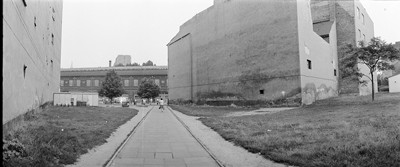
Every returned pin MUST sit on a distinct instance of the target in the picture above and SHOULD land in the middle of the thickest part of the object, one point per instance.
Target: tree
(148, 89)
(148, 63)
(119, 65)
(377, 55)
(112, 86)
(133, 64)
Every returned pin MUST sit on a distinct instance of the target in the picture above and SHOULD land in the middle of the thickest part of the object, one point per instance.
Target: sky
(96, 31)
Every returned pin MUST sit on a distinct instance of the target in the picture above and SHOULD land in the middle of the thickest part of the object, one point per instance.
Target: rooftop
(128, 68)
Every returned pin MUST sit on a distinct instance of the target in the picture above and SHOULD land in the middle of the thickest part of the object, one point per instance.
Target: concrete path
(161, 140)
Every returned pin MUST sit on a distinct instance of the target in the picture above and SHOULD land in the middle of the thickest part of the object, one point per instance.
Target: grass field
(59, 135)
(342, 131)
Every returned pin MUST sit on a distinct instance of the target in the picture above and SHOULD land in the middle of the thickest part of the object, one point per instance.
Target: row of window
(362, 37)
(78, 83)
(360, 15)
(97, 82)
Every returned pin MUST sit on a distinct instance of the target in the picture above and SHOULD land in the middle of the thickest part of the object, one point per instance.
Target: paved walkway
(161, 140)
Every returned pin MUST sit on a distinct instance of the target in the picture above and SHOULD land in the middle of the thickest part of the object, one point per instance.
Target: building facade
(91, 79)
(31, 55)
(394, 83)
(260, 50)
(353, 25)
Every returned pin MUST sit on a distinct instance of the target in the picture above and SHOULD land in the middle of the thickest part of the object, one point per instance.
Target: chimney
(109, 63)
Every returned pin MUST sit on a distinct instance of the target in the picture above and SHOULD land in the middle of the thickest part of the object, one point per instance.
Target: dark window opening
(309, 64)
(325, 37)
(52, 39)
(334, 72)
(25, 70)
(261, 91)
(34, 22)
(24, 2)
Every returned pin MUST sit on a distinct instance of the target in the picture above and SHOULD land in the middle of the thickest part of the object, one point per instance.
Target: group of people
(159, 102)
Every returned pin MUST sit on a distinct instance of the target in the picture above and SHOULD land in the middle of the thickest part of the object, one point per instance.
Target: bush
(50, 146)
(12, 149)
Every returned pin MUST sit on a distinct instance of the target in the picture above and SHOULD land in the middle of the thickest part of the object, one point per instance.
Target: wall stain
(311, 93)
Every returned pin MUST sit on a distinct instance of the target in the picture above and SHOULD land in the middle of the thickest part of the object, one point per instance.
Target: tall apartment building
(122, 59)
(264, 50)
(31, 55)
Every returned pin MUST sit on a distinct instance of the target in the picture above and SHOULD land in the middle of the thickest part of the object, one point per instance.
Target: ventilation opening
(25, 69)
(325, 37)
(261, 91)
(334, 72)
(52, 39)
(34, 21)
(309, 64)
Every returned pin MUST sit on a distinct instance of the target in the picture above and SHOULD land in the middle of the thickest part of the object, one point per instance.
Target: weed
(58, 136)
(341, 131)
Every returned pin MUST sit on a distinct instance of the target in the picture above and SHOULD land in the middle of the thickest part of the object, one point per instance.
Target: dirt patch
(258, 112)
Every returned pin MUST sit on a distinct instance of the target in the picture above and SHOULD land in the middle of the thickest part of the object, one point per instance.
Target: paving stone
(132, 161)
(145, 155)
(161, 140)
(163, 155)
(174, 161)
(198, 160)
(152, 161)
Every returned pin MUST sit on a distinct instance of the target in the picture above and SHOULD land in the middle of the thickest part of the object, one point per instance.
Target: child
(161, 105)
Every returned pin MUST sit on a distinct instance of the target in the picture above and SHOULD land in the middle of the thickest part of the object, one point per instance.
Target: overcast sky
(96, 31)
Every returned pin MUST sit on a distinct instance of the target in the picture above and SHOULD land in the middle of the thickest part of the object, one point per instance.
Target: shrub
(12, 149)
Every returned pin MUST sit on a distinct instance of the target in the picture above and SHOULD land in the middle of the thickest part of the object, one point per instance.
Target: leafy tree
(148, 89)
(133, 64)
(148, 63)
(112, 86)
(119, 65)
(377, 55)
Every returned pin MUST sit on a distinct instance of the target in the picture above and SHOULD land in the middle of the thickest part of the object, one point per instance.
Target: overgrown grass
(59, 135)
(342, 131)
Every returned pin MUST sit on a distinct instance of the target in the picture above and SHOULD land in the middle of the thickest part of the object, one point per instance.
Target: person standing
(161, 105)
